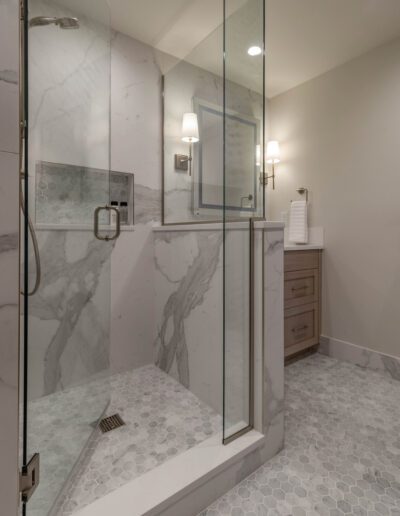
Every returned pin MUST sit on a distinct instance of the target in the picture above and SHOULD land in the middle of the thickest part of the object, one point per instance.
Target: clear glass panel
(194, 192)
(67, 164)
(243, 198)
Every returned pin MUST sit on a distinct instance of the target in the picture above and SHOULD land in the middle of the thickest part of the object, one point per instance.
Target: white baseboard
(360, 356)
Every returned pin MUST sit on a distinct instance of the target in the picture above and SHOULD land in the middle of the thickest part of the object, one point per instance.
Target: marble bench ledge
(77, 227)
(218, 226)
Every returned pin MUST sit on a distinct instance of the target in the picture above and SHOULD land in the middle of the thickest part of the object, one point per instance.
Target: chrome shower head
(63, 23)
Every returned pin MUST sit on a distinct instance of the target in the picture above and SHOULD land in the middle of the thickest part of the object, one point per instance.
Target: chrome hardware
(107, 238)
(303, 191)
(299, 328)
(182, 162)
(29, 478)
(248, 198)
(295, 289)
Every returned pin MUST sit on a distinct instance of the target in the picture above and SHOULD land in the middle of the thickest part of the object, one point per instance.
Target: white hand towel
(298, 224)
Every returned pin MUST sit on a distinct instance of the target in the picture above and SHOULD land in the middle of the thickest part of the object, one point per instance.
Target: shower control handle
(97, 234)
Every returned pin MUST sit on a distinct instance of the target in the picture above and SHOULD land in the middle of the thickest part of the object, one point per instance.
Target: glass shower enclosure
(243, 203)
(69, 227)
(65, 285)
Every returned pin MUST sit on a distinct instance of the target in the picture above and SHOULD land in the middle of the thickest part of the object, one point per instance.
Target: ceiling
(305, 38)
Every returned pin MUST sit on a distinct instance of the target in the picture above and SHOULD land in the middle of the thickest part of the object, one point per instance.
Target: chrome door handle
(107, 238)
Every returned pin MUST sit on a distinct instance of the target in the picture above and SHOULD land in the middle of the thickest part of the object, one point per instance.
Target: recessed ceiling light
(254, 51)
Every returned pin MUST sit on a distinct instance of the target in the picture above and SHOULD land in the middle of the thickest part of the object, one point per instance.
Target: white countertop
(316, 241)
(302, 247)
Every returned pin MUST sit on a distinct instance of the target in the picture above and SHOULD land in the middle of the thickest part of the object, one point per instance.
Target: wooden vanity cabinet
(302, 279)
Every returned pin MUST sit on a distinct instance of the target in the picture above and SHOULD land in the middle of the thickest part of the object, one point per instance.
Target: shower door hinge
(29, 478)
(22, 129)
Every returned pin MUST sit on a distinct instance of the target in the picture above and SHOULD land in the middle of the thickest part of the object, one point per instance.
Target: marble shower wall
(189, 320)
(188, 282)
(273, 360)
(9, 254)
(61, 317)
(135, 147)
(69, 94)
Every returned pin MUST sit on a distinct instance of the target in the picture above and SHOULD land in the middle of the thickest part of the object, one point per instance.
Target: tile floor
(162, 420)
(342, 450)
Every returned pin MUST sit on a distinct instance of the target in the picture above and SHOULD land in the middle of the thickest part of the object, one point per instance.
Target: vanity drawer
(301, 328)
(300, 260)
(301, 287)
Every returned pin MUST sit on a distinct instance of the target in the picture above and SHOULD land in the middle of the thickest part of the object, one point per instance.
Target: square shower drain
(111, 423)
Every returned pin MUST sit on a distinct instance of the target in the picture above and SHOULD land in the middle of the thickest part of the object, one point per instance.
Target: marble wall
(69, 95)
(189, 346)
(135, 147)
(273, 360)
(9, 254)
(188, 282)
(121, 275)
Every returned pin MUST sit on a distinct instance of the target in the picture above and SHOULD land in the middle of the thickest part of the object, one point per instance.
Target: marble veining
(341, 452)
(191, 289)
(273, 388)
(70, 297)
(8, 242)
(9, 76)
(147, 204)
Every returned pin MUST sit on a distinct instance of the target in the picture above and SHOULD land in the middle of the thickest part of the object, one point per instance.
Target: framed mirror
(242, 136)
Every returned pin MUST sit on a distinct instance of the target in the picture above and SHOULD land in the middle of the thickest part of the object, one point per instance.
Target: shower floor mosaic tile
(342, 449)
(162, 420)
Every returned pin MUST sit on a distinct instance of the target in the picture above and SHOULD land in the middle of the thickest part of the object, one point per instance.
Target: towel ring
(303, 191)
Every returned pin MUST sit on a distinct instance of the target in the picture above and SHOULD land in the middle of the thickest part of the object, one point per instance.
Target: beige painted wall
(340, 137)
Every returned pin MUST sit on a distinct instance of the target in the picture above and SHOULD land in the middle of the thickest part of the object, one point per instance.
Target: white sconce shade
(254, 51)
(190, 128)
(258, 155)
(273, 152)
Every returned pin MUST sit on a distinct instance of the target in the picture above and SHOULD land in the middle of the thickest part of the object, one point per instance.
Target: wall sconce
(272, 157)
(190, 134)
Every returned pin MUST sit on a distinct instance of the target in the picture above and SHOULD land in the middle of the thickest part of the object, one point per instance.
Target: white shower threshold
(182, 486)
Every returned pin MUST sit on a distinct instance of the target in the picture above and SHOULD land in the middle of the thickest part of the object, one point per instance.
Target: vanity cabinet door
(302, 281)
(301, 287)
(301, 328)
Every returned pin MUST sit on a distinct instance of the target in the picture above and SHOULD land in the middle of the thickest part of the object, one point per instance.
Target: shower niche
(69, 194)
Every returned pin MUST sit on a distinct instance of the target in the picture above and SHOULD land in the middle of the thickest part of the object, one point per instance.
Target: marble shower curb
(363, 357)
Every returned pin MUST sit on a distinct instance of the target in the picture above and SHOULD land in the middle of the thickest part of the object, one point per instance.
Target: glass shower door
(244, 201)
(67, 240)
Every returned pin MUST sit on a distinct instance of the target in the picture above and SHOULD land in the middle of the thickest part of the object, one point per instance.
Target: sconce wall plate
(263, 178)
(181, 162)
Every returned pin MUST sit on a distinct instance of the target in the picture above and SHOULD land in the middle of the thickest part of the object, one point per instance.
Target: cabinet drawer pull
(294, 289)
(300, 328)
